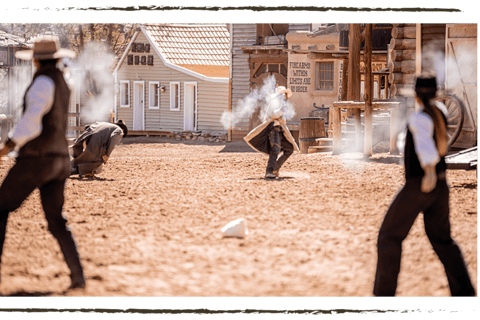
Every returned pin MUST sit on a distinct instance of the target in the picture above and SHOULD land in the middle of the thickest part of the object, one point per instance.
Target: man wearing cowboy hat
(272, 136)
(425, 190)
(93, 147)
(43, 160)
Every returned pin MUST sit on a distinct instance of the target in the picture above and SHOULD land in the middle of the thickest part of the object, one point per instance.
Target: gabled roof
(206, 45)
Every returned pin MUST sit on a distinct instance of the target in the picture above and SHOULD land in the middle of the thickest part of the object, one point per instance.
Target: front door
(190, 116)
(138, 105)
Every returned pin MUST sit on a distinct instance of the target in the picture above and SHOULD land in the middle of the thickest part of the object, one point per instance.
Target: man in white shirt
(43, 159)
(426, 191)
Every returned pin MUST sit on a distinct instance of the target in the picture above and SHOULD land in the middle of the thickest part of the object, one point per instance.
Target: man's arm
(115, 139)
(39, 101)
(421, 126)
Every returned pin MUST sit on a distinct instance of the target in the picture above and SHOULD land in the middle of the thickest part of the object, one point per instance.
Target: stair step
(314, 149)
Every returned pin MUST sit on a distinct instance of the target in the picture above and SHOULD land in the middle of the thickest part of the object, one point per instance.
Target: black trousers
(278, 143)
(401, 215)
(48, 174)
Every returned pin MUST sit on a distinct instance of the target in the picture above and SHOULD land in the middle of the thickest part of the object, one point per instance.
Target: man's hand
(105, 159)
(6, 147)
(429, 180)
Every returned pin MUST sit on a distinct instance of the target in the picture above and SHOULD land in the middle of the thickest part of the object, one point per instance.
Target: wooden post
(387, 89)
(418, 53)
(337, 130)
(379, 86)
(354, 74)
(368, 93)
(353, 89)
(344, 95)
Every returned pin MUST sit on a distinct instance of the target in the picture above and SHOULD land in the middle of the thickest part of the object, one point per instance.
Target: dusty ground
(151, 226)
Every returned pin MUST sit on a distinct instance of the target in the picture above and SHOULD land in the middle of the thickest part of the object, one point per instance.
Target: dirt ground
(151, 226)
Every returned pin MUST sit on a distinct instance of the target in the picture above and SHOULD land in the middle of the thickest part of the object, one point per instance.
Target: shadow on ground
(22, 293)
(269, 179)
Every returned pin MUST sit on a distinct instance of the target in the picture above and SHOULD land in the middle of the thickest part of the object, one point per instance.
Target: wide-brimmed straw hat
(122, 125)
(44, 48)
(281, 89)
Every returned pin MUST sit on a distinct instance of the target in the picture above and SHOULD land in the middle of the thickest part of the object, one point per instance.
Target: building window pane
(324, 75)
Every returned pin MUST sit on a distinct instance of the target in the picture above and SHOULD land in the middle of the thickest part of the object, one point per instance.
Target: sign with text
(300, 78)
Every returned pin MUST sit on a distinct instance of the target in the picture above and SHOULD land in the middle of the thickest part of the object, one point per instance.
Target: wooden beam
(398, 77)
(324, 56)
(405, 66)
(344, 80)
(354, 79)
(269, 59)
(399, 55)
(402, 44)
(229, 136)
(354, 63)
(368, 93)
(404, 32)
(337, 131)
(259, 64)
(418, 54)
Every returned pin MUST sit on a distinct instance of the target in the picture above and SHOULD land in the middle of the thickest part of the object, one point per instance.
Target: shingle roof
(192, 44)
(7, 39)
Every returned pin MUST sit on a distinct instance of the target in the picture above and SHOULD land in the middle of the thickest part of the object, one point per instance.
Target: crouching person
(92, 149)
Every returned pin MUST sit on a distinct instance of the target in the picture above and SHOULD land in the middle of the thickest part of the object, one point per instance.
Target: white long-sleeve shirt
(422, 128)
(39, 101)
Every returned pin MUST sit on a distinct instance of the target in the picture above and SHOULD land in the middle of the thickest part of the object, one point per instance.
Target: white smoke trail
(94, 64)
(262, 98)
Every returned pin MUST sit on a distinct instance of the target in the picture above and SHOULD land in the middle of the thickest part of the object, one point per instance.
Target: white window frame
(195, 103)
(121, 93)
(150, 83)
(142, 95)
(172, 95)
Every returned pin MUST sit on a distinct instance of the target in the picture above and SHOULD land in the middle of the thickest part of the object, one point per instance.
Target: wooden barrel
(310, 129)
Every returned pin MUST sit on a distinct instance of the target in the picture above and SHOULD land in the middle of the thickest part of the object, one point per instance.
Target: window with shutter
(150, 60)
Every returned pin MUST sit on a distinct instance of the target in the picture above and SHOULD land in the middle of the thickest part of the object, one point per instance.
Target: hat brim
(288, 92)
(29, 55)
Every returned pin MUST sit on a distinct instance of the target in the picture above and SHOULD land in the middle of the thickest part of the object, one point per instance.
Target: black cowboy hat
(426, 84)
(122, 125)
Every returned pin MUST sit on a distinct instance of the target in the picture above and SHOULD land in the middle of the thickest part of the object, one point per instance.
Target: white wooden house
(174, 77)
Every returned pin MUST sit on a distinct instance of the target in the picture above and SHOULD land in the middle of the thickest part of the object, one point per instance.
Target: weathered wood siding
(243, 35)
(292, 27)
(212, 97)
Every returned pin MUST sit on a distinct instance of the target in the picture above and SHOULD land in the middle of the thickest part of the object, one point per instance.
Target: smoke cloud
(92, 75)
(262, 98)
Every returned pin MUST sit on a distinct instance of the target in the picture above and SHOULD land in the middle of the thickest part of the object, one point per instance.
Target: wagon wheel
(455, 116)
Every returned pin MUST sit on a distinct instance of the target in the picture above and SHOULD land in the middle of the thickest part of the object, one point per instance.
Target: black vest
(52, 141)
(412, 164)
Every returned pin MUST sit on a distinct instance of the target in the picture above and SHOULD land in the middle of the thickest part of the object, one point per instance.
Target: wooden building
(449, 50)
(174, 77)
(257, 53)
(15, 74)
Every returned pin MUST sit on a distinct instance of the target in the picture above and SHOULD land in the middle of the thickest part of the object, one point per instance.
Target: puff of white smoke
(94, 64)
(263, 98)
